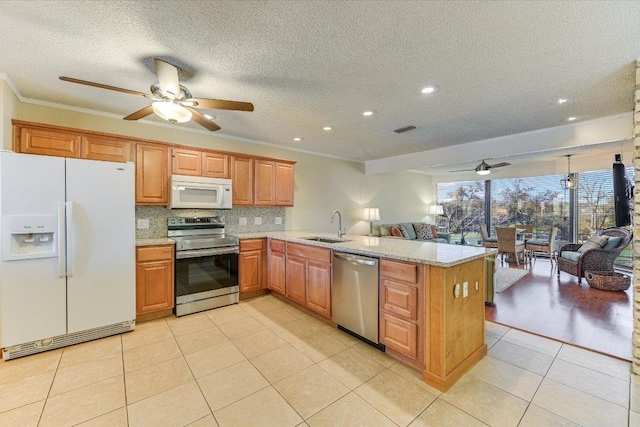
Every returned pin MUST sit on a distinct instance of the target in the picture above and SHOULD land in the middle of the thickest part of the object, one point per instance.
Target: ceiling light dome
(430, 89)
(171, 112)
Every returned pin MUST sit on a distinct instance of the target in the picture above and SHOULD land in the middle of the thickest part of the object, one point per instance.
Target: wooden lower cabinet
(296, 278)
(319, 287)
(402, 310)
(308, 277)
(277, 260)
(154, 278)
(252, 265)
(399, 334)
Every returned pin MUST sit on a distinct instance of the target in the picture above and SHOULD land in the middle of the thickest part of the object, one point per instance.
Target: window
(463, 205)
(540, 201)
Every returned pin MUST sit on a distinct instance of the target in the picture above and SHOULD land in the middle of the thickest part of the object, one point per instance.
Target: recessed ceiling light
(209, 116)
(368, 113)
(430, 89)
(563, 100)
(297, 139)
(327, 128)
(570, 119)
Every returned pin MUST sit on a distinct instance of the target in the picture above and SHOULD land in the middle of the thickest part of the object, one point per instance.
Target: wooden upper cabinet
(284, 184)
(48, 142)
(186, 162)
(242, 176)
(265, 183)
(96, 147)
(152, 183)
(273, 183)
(215, 165)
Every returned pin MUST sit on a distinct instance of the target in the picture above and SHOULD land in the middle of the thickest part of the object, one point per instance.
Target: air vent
(405, 129)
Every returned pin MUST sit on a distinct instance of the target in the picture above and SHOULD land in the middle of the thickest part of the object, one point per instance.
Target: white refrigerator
(67, 270)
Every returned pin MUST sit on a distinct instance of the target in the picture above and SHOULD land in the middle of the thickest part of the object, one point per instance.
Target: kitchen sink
(325, 239)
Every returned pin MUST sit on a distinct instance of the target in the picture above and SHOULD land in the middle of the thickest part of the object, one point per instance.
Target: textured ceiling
(308, 64)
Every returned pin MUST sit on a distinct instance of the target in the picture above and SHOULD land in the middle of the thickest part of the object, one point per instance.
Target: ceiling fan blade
(219, 104)
(101, 86)
(500, 165)
(168, 78)
(200, 119)
(463, 170)
(140, 113)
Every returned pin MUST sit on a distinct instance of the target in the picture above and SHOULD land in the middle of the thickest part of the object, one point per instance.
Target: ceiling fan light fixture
(483, 169)
(171, 112)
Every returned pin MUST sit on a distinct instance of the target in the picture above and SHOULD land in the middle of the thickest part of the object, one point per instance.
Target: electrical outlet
(465, 289)
(278, 220)
(257, 220)
(242, 221)
(143, 224)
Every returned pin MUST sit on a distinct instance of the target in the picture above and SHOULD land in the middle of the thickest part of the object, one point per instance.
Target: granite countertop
(438, 254)
(155, 242)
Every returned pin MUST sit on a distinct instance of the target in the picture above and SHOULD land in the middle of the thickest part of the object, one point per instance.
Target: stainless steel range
(206, 269)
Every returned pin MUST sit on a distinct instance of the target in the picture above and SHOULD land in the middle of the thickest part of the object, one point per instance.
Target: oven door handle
(206, 252)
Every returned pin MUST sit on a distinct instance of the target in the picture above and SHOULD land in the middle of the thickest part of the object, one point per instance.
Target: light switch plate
(257, 220)
(278, 220)
(465, 289)
(143, 224)
(242, 221)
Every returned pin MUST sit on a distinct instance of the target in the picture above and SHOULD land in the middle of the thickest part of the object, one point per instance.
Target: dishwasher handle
(354, 260)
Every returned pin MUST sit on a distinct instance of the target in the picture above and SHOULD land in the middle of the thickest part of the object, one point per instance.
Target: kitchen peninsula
(431, 295)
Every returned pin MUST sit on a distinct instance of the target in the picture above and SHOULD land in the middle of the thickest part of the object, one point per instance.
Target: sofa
(419, 231)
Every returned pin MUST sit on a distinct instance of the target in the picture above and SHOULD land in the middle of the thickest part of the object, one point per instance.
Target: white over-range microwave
(196, 192)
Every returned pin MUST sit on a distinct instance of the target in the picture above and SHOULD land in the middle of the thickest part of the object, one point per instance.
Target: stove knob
(172, 221)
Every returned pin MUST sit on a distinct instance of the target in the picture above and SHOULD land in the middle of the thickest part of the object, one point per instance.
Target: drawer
(399, 335)
(251, 244)
(276, 245)
(154, 253)
(399, 299)
(309, 252)
(406, 272)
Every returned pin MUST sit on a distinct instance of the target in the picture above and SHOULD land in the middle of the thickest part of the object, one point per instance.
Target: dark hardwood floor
(565, 311)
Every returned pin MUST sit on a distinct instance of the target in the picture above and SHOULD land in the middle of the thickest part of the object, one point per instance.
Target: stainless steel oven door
(206, 273)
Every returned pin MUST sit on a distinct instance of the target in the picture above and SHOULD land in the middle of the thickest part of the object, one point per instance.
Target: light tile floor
(265, 363)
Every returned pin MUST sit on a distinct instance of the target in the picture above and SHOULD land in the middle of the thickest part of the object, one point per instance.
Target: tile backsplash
(237, 220)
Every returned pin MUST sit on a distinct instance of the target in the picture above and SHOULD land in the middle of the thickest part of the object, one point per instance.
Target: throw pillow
(395, 231)
(434, 231)
(594, 242)
(423, 231)
(408, 227)
(612, 243)
(385, 230)
(404, 231)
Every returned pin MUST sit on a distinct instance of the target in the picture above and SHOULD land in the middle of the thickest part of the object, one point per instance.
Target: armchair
(575, 263)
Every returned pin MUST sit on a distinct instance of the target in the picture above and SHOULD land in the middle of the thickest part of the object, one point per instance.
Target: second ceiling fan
(172, 101)
(484, 168)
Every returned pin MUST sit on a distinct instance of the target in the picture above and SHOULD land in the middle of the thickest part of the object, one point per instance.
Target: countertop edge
(339, 247)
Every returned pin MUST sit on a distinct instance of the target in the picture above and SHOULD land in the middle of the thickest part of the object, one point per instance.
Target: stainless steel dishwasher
(354, 295)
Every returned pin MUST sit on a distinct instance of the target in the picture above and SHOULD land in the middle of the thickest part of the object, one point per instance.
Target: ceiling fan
(484, 168)
(172, 101)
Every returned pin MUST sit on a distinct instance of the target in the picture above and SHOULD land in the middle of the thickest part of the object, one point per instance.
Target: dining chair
(526, 230)
(508, 243)
(487, 242)
(543, 245)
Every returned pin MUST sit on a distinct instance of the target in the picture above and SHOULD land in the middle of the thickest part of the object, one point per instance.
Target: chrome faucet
(340, 231)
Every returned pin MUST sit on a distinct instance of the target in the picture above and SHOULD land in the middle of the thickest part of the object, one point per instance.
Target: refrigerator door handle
(70, 254)
(62, 255)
